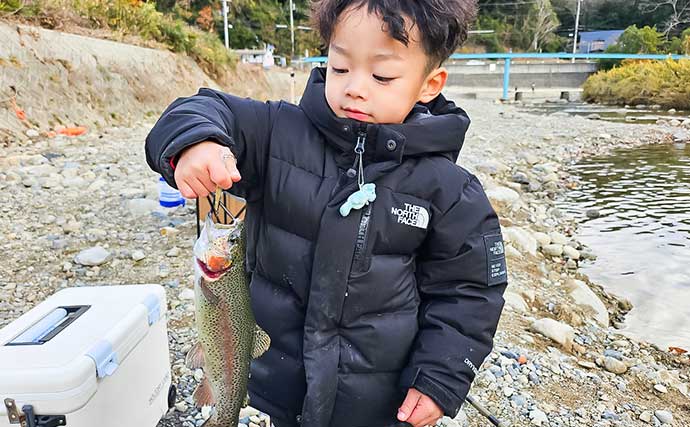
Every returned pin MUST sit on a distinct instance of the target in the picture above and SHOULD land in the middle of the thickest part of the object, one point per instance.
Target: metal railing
(508, 57)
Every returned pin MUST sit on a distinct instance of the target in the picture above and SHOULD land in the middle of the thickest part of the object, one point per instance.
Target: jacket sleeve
(461, 277)
(242, 124)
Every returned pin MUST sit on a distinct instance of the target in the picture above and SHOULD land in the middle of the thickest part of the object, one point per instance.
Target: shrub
(666, 83)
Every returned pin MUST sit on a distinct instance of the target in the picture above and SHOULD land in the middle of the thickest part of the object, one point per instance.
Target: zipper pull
(361, 139)
(359, 150)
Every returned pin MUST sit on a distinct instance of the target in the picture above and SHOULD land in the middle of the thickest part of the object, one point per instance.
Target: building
(597, 41)
(257, 56)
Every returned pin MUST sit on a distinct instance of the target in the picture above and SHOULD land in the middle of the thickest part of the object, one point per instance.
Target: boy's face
(371, 76)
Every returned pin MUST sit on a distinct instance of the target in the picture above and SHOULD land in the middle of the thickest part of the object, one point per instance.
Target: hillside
(50, 79)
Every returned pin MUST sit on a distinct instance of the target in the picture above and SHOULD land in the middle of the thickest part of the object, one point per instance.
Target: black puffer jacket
(403, 293)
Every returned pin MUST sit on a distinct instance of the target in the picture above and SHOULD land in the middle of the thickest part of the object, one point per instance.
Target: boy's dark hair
(442, 24)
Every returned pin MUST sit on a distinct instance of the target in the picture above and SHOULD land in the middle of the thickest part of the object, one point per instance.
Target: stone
(521, 239)
(511, 252)
(593, 213)
(492, 167)
(646, 416)
(571, 253)
(515, 301)
(138, 255)
(660, 388)
(586, 364)
(543, 239)
(553, 250)
(187, 294)
(538, 417)
(558, 238)
(559, 332)
(520, 178)
(502, 195)
(614, 365)
(666, 417)
(585, 297)
(92, 256)
(174, 252)
(141, 207)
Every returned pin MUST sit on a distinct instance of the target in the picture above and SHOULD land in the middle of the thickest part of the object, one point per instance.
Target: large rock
(585, 297)
(666, 417)
(543, 239)
(503, 195)
(515, 301)
(141, 207)
(553, 250)
(559, 332)
(520, 239)
(92, 256)
(614, 365)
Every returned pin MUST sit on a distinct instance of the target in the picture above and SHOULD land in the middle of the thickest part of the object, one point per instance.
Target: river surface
(636, 114)
(641, 236)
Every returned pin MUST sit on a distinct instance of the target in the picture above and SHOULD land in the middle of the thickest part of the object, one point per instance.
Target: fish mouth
(208, 273)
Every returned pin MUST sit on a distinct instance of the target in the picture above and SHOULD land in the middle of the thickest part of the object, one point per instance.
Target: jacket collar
(438, 127)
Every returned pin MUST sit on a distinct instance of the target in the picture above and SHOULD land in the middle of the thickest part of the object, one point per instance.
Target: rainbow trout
(228, 335)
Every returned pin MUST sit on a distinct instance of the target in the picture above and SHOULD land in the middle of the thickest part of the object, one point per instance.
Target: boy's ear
(433, 84)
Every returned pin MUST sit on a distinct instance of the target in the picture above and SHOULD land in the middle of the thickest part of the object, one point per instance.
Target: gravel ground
(559, 358)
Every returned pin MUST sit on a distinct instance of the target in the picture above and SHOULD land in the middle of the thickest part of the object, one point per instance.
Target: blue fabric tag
(497, 273)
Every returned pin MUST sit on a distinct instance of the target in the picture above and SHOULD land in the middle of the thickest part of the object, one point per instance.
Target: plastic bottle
(168, 197)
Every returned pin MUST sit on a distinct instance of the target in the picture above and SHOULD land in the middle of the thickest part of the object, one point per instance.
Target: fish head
(217, 249)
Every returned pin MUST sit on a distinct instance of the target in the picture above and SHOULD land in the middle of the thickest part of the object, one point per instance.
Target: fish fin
(210, 296)
(195, 357)
(203, 394)
(261, 342)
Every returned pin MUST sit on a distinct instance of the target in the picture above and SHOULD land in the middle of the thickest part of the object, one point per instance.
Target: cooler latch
(30, 419)
(153, 306)
(105, 358)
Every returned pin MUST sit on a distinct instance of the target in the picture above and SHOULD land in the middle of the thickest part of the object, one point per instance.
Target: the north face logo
(413, 215)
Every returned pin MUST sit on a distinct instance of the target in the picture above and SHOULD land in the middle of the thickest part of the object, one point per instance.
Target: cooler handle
(49, 326)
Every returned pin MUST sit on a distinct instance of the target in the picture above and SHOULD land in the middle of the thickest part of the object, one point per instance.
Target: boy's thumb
(409, 404)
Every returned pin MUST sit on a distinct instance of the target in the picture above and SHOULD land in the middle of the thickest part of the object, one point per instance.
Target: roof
(598, 40)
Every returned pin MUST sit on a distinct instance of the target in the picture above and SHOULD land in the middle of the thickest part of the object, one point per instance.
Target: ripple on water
(642, 235)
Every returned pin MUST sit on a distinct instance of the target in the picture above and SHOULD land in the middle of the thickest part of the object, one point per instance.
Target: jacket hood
(437, 127)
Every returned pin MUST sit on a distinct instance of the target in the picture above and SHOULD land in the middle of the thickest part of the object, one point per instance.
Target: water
(642, 236)
(639, 114)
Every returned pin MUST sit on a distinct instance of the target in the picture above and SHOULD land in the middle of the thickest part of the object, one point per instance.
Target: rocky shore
(83, 211)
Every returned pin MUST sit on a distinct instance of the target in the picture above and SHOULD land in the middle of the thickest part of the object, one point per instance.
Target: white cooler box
(88, 357)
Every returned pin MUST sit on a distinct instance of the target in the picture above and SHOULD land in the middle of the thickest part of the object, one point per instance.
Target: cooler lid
(53, 356)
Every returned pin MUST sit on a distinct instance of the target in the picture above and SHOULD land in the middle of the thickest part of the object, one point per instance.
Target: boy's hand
(419, 410)
(203, 167)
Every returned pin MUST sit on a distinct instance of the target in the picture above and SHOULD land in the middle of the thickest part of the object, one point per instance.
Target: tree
(543, 21)
(678, 12)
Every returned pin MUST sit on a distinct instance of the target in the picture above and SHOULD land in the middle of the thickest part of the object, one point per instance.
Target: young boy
(380, 309)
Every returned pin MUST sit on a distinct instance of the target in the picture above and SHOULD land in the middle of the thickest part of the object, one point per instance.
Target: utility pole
(292, 29)
(577, 26)
(225, 23)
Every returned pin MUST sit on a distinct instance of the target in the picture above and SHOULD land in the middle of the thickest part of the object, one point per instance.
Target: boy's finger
(186, 190)
(230, 162)
(220, 175)
(409, 404)
(205, 180)
(198, 188)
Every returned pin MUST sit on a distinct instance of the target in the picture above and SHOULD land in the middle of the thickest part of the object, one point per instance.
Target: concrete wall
(522, 75)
